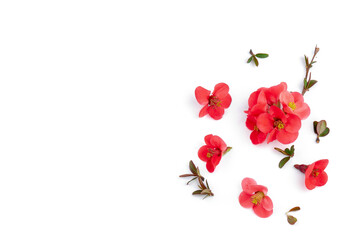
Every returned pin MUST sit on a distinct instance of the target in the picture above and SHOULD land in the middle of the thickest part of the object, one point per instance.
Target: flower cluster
(275, 113)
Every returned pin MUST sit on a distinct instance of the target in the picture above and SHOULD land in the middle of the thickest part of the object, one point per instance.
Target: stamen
(279, 124)
(214, 101)
(292, 105)
(257, 197)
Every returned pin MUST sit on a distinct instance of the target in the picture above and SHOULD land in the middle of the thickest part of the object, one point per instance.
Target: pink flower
(315, 176)
(282, 127)
(293, 102)
(254, 196)
(215, 103)
(212, 152)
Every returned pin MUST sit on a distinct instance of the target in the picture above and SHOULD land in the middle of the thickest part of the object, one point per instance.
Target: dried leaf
(315, 124)
(294, 209)
(197, 192)
(280, 150)
(256, 61)
(321, 126)
(192, 167)
(292, 220)
(191, 180)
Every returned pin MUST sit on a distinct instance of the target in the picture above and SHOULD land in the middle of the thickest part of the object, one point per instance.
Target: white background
(98, 117)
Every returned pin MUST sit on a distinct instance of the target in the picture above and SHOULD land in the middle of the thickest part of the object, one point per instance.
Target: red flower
(294, 103)
(284, 128)
(212, 152)
(315, 176)
(256, 135)
(254, 196)
(215, 103)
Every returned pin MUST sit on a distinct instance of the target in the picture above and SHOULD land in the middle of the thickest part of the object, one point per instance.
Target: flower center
(214, 101)
(279, 124)
(257, 197)
(211, 152)
(292, 105)
(315, 172)
(256, 128)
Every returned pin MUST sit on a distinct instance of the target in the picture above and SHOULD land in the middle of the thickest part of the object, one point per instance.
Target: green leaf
(325, 132)
(283, 161)
(197, 192)
(305, 83)
(306, 60)
(292, 220)
(192, 167)
(256, 61)
(262, 55)
(227, 150)
(321, 126)
(288, 151)
(292, 150)
(294, 209)
(311, 83)
(250, 59)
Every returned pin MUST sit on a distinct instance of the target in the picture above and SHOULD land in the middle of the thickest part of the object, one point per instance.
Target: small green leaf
(306, 60)
(250, 59)
(294, 209)
(262, 55)
(292, 220)
(288, 151)
(256, 61)
(197, 192)
(292, 150)
(325, 132)
(283, 161)
(321, 126)
(311, 83)
(192, 167)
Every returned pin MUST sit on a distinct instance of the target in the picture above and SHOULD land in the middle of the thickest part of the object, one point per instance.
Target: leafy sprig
(308, 82)
(255, 56)
(288, 152)
(320, 129)
(291, 219)
(204, 188)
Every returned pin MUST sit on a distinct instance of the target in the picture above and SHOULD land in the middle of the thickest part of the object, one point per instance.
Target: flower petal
(202, 95)
(250, 122)
(221, 90)
(246, 182)
(226, 101)
(321, 164)
(202, 153)
(286, 137)
(293, 123)
(267, 203)
(245, 200)
(216, 112)
(207, 139)
(257, 137)
(265, 122)
(272, 135)
(203, 111)
(217, 142)
(210, 166)
(286, 97)
(322, 179)
(260, 211)
(277, 113)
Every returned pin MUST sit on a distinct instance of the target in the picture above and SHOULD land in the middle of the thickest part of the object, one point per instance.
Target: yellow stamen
(292, 105)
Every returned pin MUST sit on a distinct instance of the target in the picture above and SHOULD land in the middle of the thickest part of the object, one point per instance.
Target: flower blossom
(275, 113)
(255, 196)
(212, 152)
(215, 103)
(315, 176)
